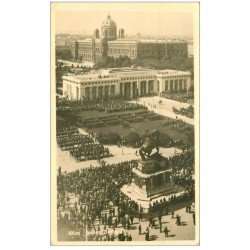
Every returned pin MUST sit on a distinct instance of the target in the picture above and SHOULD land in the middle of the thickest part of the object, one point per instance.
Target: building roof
(123, 41)
(89, 77)
(154, 41)
(87, 40)
(118, 73)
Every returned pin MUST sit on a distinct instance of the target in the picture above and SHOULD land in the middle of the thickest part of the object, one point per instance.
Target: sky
(168, 20)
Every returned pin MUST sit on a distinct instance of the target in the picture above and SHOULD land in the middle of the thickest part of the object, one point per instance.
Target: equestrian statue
(151, 142)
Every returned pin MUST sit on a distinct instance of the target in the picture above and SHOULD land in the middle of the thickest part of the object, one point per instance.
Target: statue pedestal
(151, 179)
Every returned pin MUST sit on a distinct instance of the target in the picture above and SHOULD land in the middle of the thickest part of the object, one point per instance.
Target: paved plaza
(120, 154)
(165, 107)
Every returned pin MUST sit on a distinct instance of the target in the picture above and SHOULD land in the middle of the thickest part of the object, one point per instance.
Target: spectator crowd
(101, 204)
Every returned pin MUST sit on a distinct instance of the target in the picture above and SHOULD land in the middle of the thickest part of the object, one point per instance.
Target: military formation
(107, 106)
(188, 112)
(120, 119)
(81, 147)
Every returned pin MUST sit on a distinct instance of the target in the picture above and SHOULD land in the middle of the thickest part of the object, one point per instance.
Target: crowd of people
(101, 208)
(90, 151)
(182, 161)
(101, 202)
(117, 106)
(70, 141)
(188, 112)
(178, 125)
(176, 96)
(81, 147)
(98, 189)
(168, 206)
(119, 119)
(107, 106)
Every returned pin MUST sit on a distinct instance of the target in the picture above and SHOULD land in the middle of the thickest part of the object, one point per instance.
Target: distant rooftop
(85, 40)
(146, 41)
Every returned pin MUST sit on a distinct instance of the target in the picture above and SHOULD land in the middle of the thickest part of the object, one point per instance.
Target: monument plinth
(152, 178)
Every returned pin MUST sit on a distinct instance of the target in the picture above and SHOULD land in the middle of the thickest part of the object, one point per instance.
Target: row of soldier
(188, 112)
(180, 96)
(121, 118)
(82, 147)
(110, 106)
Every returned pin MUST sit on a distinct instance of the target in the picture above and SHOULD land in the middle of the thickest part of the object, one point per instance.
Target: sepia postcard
(125, 123)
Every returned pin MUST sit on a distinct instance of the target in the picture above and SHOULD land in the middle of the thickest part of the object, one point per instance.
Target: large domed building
(109, 29)
(109, 44)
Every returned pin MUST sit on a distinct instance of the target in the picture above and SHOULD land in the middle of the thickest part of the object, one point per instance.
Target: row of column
(127, 89)
(171, 85)
(133, 89)
(98, 92)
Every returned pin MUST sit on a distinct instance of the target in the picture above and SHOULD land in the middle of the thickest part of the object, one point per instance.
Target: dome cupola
(109, 29)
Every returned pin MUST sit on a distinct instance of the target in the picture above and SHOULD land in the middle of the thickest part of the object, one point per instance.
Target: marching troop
(81, 147)
(188, 112)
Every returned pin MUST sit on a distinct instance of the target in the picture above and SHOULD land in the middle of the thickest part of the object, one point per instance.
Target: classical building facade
(124, 82)
(107, 43)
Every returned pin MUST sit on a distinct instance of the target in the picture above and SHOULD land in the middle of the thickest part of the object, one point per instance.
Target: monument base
(142, 195)
(143, 201)
(151, 180)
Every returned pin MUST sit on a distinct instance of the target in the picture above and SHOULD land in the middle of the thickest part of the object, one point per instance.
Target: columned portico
(100, 91)
(90, 93)
(135, 90)
(130, 85)
(127, 89)
(87, 93)
(139, 88)
(80, 92)
(150, 87)
(94, 92)
(143, 88)
(180, 84)
(106, 91)
(175, 85)
(97, 93)
(156, 86)
(171, 86)
(123, 89)
(161, 85)
(112, 91)
(147, 88)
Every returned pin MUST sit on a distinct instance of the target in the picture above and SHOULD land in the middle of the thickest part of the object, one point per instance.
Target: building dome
(108, 23)
(109, 28)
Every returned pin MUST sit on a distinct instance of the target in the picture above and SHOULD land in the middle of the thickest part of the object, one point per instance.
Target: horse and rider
(151, 142)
